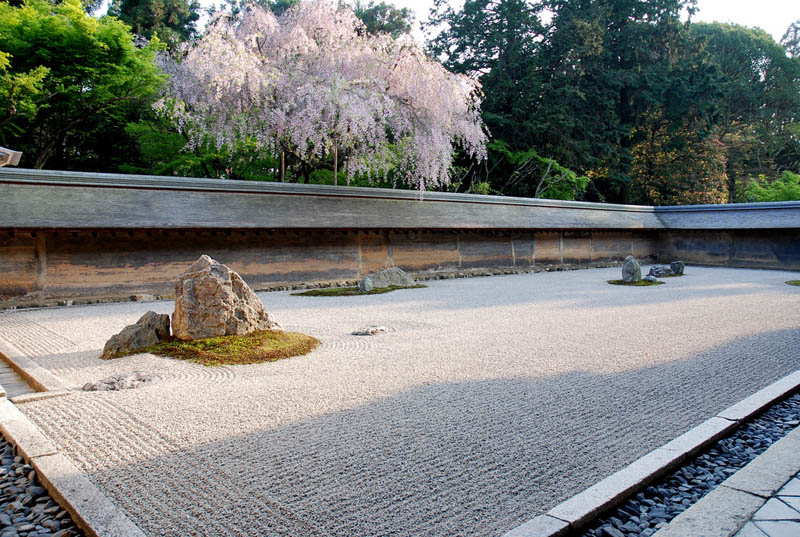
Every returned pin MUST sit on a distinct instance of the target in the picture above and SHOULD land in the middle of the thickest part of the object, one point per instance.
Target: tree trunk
(731, 185)
(335, 165)
(283, 166)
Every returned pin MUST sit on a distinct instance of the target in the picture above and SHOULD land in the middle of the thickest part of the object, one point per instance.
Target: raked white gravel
(487, 401)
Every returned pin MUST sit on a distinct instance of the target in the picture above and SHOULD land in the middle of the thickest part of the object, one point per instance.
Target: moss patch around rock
(640, 283)
(794, 282)
(258, 347)
(353, 291)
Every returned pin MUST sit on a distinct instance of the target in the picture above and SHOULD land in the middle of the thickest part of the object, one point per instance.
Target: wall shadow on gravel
(470, 458)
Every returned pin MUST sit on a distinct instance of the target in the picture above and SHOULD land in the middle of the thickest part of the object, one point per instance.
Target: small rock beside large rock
(120, 382)
(631, 271)
(211, 300)
(389, 277)
(660, 272)
(148, 330)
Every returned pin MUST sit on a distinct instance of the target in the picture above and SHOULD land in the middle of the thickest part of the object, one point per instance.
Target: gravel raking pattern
(31, 337)
(489, 402)
(651, 509)
(25, 508)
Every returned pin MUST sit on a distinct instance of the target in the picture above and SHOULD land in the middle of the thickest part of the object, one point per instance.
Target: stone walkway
(779, 517)
(11, 382)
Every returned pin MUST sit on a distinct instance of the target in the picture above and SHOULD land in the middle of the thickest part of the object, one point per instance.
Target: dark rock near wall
(631, 271)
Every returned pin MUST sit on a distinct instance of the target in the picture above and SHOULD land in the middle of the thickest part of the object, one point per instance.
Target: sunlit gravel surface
(487, 402)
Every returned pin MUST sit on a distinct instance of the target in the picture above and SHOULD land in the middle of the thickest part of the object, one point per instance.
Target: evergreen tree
(173, 21)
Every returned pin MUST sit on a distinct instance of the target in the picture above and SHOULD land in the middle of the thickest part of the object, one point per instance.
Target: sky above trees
(774, 16)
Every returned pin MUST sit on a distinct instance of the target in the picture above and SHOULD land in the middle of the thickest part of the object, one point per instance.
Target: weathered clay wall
(774, 249)
(71, 236)
(49, 266)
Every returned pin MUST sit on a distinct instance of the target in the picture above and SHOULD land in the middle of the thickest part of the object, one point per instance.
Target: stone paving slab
(718, 514)
(39, 378)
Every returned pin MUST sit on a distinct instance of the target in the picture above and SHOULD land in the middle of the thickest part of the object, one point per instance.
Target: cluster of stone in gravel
(648, 511)
(25, 508)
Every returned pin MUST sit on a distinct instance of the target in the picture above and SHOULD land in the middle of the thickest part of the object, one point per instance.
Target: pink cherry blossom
(312, 81)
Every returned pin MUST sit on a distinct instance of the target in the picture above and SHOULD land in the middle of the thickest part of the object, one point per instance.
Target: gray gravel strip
(26, 510)
(488, 402)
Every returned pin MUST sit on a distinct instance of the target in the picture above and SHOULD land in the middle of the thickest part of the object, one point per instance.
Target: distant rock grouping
(675, 268)
(632, 271)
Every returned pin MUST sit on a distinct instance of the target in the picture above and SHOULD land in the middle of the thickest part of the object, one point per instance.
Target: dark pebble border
(26, 510)
(651, 509)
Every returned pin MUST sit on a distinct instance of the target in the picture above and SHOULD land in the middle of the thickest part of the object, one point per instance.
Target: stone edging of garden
(93, 512)
(576, 512)
(725, 509)
(45, 383)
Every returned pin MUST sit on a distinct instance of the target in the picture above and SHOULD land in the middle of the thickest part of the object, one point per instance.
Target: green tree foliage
(20, 95)
(651, 108)
(527, 174)
(675, 167)
(791, 40)
(495, 41)
(383, 17)
(173, 21)
(159, 150)
(84, 78)
(785, 188)
(757, 99)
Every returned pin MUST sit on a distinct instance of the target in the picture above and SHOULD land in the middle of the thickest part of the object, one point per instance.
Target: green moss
(794, 282)
(258, 347)
(640, 283)
(353, 291)
(672, 276)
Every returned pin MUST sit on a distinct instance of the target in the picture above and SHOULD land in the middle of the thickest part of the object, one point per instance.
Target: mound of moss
(640, 283)
(258, 347)
(794, 282)
(353, 291)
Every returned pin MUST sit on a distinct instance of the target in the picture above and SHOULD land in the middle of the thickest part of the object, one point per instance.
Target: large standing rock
(212, 300)
(631, 271)
(386, 278)
(148, 330)
(677, 267)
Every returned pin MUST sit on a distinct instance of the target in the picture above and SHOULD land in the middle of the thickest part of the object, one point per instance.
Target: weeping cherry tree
(313, 84)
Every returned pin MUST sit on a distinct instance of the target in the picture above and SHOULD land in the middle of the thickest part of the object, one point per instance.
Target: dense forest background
(620, 101)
